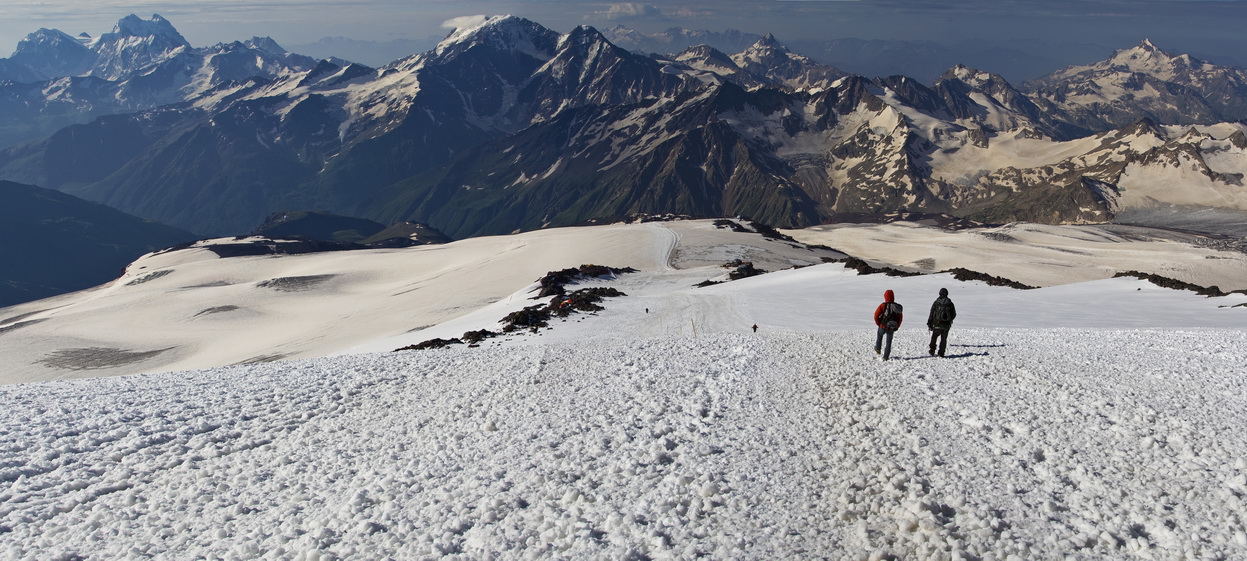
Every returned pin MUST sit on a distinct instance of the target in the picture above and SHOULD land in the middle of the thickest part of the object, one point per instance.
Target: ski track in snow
(665, 250)
(1036, 443)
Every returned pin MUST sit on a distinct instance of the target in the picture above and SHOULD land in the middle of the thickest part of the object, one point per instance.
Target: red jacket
(888, 298)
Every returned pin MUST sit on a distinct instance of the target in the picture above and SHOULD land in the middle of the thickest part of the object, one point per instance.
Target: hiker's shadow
(946, 357)
(966, 355)
(978, 346)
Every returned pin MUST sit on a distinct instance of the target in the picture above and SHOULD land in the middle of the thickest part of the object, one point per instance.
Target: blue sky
(1204, 28)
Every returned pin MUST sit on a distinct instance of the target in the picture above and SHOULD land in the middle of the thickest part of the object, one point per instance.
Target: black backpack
(891, 312)
(943, 310)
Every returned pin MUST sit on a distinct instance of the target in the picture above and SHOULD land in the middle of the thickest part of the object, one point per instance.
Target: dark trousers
(884, 333)
(940, 333)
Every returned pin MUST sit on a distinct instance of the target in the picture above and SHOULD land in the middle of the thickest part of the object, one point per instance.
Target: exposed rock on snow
(1177, 284)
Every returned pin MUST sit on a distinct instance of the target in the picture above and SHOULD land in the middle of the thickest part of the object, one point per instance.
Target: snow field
(1036, 443)
(1035, 254)
(186, 309)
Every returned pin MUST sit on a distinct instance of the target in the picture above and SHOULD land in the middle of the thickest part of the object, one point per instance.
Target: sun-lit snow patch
(1037, 254)
(1003, 151)
(1183, 184)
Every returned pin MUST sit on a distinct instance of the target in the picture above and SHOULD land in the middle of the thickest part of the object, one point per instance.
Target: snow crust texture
(1034, 443)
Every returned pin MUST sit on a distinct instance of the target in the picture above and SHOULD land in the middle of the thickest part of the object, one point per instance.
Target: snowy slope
(189, 309)
(1039, 254)
(1094, 419)
(1033, 443)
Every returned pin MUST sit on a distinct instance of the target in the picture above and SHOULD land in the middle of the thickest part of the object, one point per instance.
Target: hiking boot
(931, 351)
(877, 351)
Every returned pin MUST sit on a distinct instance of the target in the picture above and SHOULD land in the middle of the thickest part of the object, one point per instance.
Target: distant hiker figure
(888, 317)
(755, 328)
(943, 312)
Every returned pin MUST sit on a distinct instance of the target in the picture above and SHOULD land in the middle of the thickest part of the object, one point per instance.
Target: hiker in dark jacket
(888, 317)
(940, 320)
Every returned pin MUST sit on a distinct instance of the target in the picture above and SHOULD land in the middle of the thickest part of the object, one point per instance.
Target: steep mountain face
(588, 70)
(83, 154)
(992, 103)
(52, 243)
(135, 45)
(1145, 82)
(790, 160)
(1137, 166)
(207, 172)
(50, 53)
(34, 110)
(655, 156)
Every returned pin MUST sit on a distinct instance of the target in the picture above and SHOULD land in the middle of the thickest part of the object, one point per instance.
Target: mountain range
(54, 79)
(509, 126)
(871, 57)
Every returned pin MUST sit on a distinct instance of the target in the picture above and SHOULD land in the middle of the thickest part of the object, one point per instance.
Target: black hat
(943, 292)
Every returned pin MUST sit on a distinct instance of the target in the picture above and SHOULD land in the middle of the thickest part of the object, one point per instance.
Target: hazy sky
(1210, 29)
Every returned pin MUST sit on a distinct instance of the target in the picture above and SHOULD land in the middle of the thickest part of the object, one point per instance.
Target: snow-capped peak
(508, 32)
(766, 47)
(582, 35)
(134, 45)
(53, 53)
(707, 56)
(972, 77)
(1147, 58)
(992, 84)
(772, 61)
(1141, 57)
(134, 26)
(266, 44)
(44, 36)
(770, 41)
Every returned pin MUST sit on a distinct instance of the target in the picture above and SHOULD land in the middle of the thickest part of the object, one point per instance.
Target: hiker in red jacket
(888, 317)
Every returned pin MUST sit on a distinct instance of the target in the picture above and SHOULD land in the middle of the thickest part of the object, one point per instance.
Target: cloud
(632, 10)
(464, 22)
